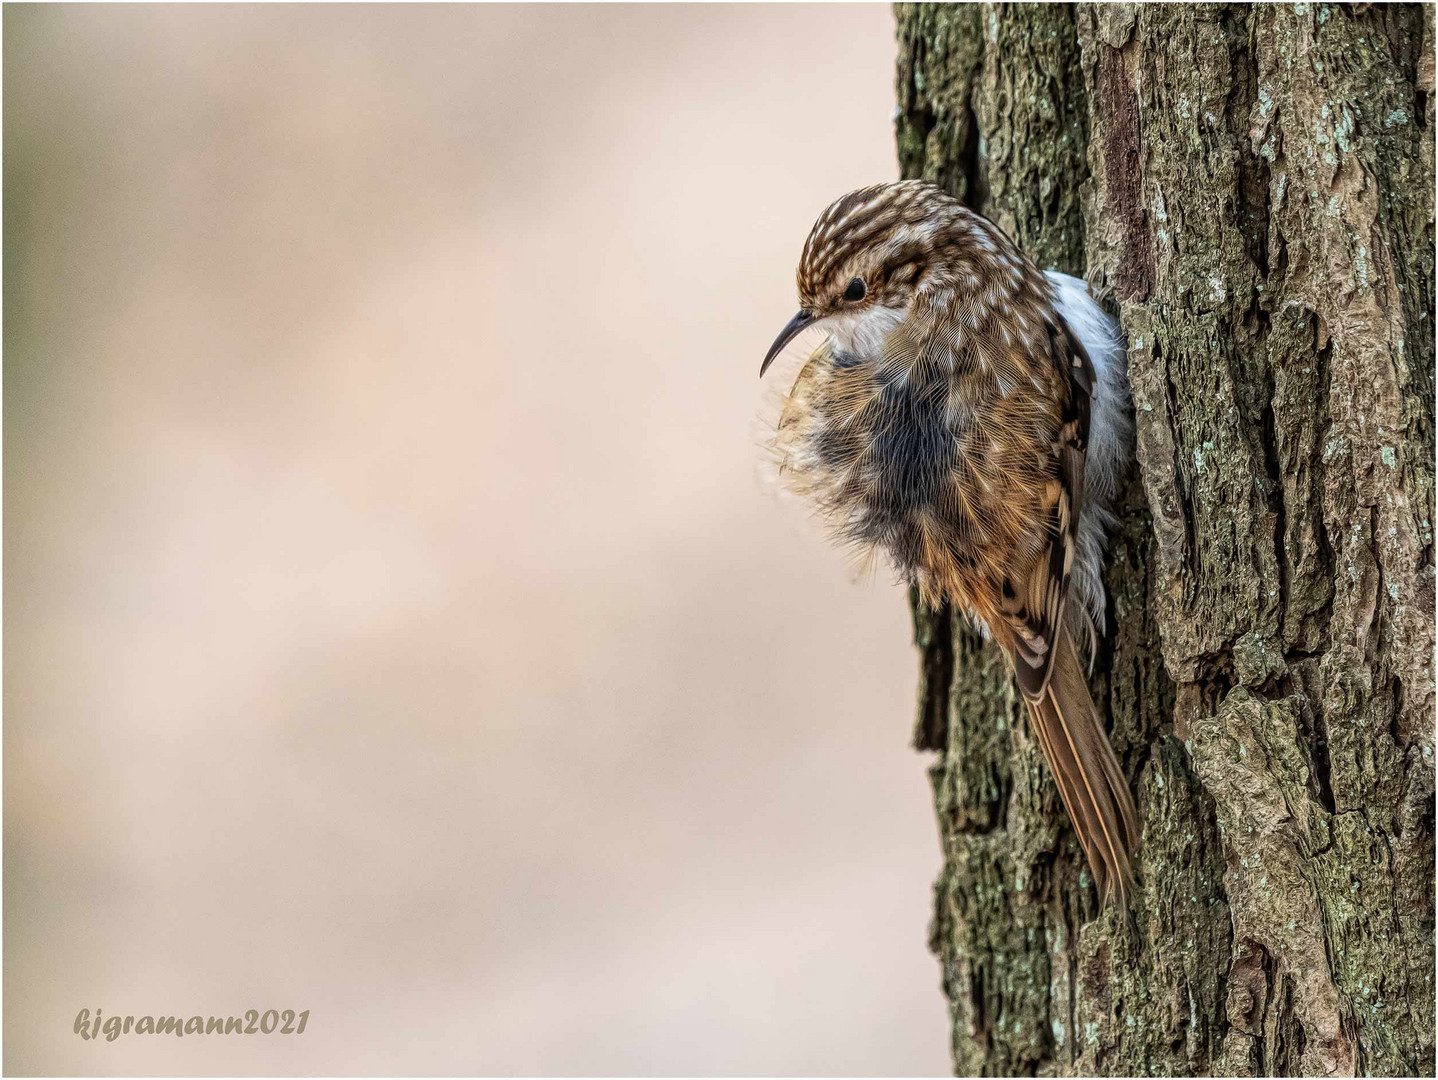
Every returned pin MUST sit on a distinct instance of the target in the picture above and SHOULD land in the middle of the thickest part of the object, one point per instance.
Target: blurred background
(397, 622)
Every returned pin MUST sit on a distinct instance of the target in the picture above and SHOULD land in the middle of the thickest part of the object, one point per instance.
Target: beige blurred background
(397, 625)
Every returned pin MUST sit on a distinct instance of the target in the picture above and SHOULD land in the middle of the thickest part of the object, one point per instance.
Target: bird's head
(870, 253)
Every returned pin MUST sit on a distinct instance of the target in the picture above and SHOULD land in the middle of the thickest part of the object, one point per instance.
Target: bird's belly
(912, 464)
(892, 451)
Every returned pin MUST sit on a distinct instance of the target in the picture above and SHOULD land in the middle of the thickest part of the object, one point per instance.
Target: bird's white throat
(862, 333)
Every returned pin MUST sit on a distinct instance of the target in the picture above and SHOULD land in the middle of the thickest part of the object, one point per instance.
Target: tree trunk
(1255, 187)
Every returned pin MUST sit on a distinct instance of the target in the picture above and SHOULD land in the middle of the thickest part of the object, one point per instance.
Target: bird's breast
(916, 459)
(887, 436)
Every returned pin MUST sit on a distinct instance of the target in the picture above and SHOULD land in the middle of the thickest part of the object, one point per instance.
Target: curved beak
(797, 323)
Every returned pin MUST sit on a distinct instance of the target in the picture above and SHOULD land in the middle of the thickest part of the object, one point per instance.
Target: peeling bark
(1254, 185)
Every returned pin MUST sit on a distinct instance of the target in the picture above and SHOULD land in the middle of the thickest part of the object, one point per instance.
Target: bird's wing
(1031, 603)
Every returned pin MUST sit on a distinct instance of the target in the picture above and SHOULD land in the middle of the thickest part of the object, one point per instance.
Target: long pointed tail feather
(1094, 792)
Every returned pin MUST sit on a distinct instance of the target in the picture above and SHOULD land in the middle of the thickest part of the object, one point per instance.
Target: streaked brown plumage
(954, 419)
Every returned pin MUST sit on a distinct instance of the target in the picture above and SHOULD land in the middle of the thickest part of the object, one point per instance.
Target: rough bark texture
(1255, 186)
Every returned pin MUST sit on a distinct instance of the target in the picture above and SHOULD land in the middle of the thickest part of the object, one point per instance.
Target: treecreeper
(967, 415)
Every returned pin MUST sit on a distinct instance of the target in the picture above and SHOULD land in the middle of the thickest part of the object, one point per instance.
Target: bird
(967, 416)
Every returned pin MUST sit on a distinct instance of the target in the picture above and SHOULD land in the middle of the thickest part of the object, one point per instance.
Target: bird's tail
(1091, 784)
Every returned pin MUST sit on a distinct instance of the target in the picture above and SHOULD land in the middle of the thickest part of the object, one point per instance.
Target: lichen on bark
(1254, 185)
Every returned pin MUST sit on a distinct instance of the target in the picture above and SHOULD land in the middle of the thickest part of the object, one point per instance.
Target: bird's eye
(855, 291)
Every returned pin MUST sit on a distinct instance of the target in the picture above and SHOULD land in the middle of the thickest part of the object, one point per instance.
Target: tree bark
(1254, 185)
